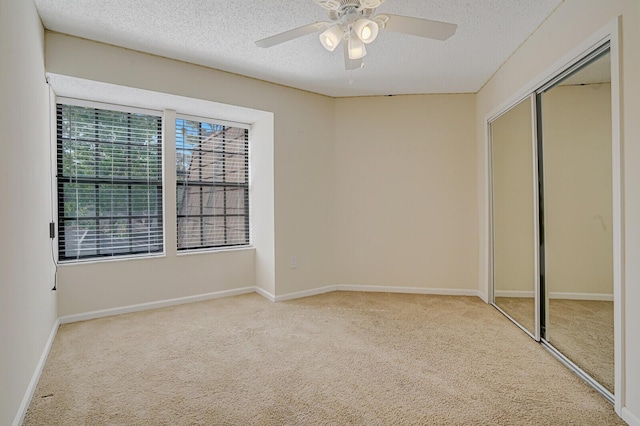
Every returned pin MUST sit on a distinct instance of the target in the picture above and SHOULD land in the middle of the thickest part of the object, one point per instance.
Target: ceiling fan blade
(350, 64)
(416, 26)
(291, 34)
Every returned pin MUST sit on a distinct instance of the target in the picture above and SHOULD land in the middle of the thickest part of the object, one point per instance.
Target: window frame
(185, 184)
(60, 181)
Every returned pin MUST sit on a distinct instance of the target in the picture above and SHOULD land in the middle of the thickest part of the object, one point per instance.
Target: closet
(552, 218)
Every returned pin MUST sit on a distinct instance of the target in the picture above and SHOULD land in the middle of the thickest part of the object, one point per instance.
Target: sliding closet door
(575, 136)
(515, 217)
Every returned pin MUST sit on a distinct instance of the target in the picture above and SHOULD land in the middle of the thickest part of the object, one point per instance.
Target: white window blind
(109, 176)
(212, 176)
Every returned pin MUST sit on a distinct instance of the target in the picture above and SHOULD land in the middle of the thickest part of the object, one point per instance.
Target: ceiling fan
(354, 22)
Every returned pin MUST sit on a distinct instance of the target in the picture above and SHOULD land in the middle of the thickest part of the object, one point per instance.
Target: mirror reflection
(576, 138)
(514, 243)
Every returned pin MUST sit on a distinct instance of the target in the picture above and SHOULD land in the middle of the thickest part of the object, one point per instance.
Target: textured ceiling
(221, 34)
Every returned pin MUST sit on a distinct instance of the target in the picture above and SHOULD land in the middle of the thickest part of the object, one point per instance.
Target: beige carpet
(334, 359)
(581, 329)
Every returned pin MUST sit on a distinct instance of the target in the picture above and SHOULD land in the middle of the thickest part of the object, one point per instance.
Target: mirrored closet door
(552, 220)
(514, 195)
(575, 136)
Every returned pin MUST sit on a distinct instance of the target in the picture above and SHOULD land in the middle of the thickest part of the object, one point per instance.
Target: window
(109, 174)
(212, 176)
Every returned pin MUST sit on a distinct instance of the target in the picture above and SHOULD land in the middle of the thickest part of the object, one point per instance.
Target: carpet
(333, 359)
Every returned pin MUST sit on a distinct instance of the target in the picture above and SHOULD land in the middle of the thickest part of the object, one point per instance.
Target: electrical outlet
(293, 262)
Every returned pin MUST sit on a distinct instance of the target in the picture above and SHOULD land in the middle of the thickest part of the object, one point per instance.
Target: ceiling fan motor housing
(349, 12)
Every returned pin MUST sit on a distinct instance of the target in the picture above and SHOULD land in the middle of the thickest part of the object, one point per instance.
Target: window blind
(109, 177)
(212, 176)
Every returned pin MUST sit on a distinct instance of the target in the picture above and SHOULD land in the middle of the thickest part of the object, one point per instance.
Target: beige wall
(27, 304)
(513, 202)
(405, 191)
(569, 26)
(576, 123)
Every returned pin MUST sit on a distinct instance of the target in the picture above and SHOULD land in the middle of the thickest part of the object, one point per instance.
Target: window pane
(214, 231)
(189, 232)
(212, 170)
(113, 200)
(77, 238)
(110, 182)
(213, 201)
(235, 201)
(77, 200)
(236, 231)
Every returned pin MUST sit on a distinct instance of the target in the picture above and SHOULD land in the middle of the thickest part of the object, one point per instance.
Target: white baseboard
(280, 298)
(366, 288)
(305, 293)
(264, 293)
(514, 293)
(408, 290)
(630, 418)
(154, 305)
(26, 400)
(581, 296)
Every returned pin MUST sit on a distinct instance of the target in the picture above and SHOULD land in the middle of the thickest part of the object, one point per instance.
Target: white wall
(569, 26)
(27, 304)
(302, 166)
(405, 192)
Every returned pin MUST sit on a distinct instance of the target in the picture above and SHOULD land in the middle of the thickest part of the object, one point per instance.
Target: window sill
(65, 263)
(213, 250)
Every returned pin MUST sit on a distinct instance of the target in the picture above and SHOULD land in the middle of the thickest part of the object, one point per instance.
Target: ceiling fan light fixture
(366, 30)
(331, 37)
(356, 48)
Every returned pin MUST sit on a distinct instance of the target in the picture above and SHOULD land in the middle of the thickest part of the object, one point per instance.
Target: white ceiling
(221, 34)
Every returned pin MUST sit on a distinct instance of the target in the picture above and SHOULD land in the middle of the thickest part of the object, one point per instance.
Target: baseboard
(581, 296)
(264, 293)
(155, 305)
(408, 290)
(305, 293)
(630, 418)
(514, 293)
(557, 295)
(366, 288)
(26, 400)
(280, 298)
